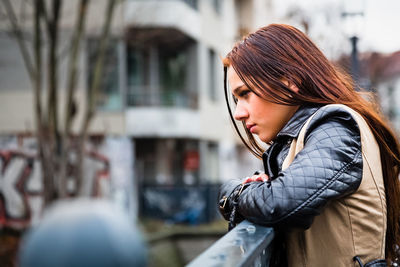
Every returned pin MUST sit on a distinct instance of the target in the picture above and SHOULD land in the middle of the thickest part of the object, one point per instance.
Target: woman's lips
(251, 127)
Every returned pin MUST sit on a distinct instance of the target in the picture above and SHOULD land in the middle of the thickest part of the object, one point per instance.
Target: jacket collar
(294, 125)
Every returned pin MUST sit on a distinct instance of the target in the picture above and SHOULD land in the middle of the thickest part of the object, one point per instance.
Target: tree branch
(53, 68)
(38, 62)
(52, 146)
(72, 67)
(44, 145)
(93, 89)
(45, 17)
(70, 108)
(98, 69)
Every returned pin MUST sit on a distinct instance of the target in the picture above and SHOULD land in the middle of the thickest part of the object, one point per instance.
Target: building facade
(161, 111)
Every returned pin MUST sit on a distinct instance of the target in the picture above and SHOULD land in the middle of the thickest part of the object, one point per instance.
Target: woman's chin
(264, 139)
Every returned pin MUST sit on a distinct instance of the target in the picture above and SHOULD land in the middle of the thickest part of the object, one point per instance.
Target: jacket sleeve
(226, 193)
(328, 167)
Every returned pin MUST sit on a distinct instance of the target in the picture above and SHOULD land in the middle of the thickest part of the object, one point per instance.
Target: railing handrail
(242, 246)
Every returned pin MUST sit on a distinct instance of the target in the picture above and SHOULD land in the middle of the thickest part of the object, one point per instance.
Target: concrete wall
(16, 114)
(210, 30)
(107, 171)
(16, 93)
(69, 10)
(173, 14)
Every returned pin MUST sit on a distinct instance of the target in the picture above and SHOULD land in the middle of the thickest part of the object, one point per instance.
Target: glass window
(173, 77)
(212, 162)
(161, 75)
(191, 3)
(138, 76)
(217, 5)
(212, 75)
(109, 96)
(167, 161)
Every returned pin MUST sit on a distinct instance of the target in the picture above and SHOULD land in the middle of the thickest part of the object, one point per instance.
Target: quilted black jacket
(328, 167)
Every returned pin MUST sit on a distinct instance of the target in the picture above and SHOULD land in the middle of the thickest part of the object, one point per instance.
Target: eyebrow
(235, 91)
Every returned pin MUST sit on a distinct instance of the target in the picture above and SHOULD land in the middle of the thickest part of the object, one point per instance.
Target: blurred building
(380, 74)
(161, 119)
(383, 71)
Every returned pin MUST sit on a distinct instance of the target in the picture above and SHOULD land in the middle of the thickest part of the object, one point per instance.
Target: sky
(378, 29)
(382, 25)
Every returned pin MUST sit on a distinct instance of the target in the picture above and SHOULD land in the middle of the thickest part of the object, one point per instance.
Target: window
(138, 66)
(217, 4)
(138, 77)
(109, 96)
(173, 77)
(167, 161)
(192, 3)
(212, 75)
(161, 75)
(212, 162)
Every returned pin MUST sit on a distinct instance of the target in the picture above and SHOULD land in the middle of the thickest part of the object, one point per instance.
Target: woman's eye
(244, 93)
(241, 94)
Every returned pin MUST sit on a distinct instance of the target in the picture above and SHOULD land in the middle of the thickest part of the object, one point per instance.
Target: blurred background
(150, 131)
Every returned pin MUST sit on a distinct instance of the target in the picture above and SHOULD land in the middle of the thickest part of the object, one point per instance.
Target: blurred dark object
(9, 243)
(353, 14)
(355, 62)
(180, 204)
(374, 67)
(83, 233)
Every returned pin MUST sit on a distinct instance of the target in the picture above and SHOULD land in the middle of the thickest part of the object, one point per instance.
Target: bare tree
(55, 139)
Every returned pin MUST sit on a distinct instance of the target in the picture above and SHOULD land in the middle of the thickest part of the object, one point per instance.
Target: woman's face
(262, 117)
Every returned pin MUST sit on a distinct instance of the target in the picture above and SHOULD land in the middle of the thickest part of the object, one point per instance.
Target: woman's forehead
(233, 78)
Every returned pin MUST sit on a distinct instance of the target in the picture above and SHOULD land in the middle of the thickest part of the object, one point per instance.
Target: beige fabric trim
(356, 208)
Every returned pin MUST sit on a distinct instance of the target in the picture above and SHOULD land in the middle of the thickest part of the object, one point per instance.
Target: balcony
(165, 99)
(160, 70)
(177, 14)
(162, 122)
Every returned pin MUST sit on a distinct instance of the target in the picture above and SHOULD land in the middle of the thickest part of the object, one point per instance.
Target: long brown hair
(276, 53)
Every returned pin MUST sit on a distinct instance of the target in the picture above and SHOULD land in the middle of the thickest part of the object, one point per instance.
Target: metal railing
(247, 244)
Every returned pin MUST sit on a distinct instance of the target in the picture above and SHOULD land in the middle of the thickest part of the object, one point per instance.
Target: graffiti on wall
(21, 192)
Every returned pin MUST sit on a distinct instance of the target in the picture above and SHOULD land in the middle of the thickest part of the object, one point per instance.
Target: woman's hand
(262, 177)
(230, 190)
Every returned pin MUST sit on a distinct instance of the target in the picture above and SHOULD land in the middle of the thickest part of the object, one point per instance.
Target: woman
(330, 187)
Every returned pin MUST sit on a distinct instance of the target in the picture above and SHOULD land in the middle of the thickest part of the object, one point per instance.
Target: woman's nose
(240, 112)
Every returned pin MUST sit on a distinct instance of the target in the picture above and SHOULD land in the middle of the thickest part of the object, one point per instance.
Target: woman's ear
(292, 86)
